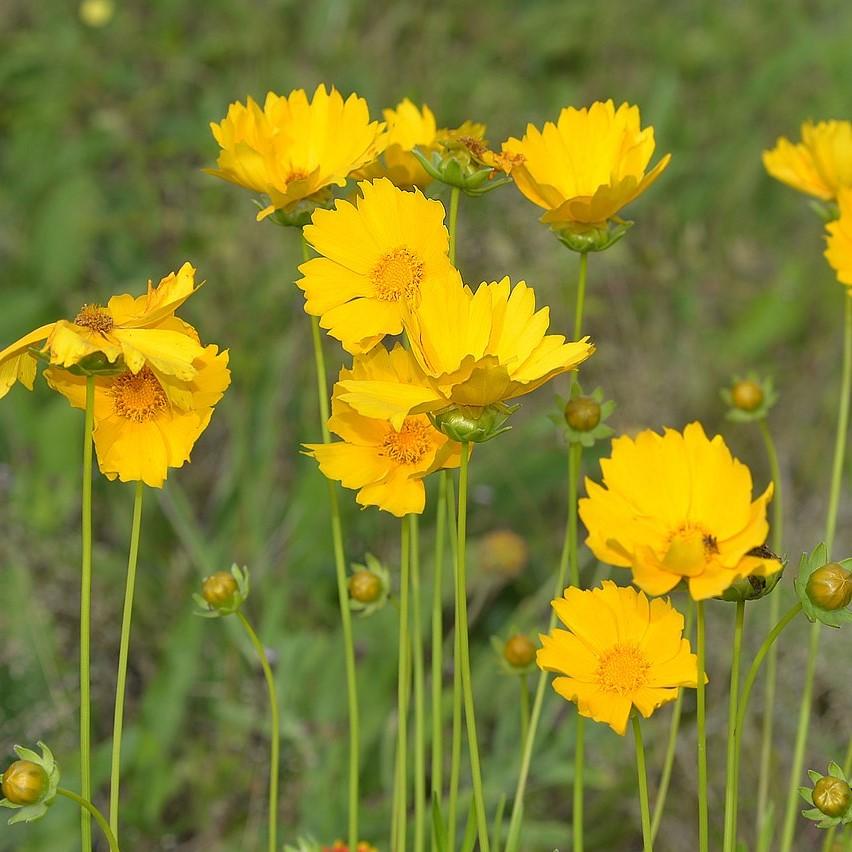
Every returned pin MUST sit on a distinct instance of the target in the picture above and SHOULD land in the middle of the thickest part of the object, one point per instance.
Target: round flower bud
(24, 783)
(832, 796)
(519, 651)
(502, 553)
(582, 413)
(219, 589)
(365, 587)
(830, 587)
(747, 395)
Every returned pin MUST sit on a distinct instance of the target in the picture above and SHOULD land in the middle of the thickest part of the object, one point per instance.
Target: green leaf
(439, 832)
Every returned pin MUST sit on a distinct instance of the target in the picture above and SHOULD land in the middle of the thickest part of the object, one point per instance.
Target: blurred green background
(104, 134)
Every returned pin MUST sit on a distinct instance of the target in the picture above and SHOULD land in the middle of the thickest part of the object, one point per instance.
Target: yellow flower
(819, 165)
(146, 423)
(408, 128)
(470, 351)
(385, 463)
(140, 330)
(293, 148)
(586, 167)
(620, 651)
(379, 255)
(839, 250)
(677, 506)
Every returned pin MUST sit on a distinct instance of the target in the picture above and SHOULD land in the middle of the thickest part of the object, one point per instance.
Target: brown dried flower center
(138, 397)
(95, 318)
(622, 669)
(398, 275)
(410, 444)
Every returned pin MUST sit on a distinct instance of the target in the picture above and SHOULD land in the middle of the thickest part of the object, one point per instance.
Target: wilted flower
(588, 165)
(677, 507)
(294, 148)
(620, 651)
(29, 784)
(379, 255)
(819, 165)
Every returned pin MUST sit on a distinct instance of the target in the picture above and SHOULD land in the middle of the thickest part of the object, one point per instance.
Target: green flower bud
(832, 796)
(473, 425)
(365, 586)
(587, 238)
(223, 593)
(219, 589)
(582, 413)
(25, 783)
(519, 652)
(830, 587)
(747, 395)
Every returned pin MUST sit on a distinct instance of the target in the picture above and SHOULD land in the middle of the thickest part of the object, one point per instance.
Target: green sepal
(474, 425)
(455, 167)
(583, 238)
(827, 211)
(299, 214)
(807, 794)
(809, 563)
(498, 643)
(36, 810)
(587, 439)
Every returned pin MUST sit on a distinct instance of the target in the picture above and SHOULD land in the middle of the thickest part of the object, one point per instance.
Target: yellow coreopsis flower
(839, 249)
(471, 352)
(145, 422)
(588, 165)
(385, 463)
(677, 506)
(139, 330)
(293, 147)
(620, 651)
(819, 165)
(409, 127)
(379, 255)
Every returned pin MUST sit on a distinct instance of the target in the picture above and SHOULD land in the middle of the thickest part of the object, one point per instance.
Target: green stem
(419, 693)
(456, 745)
(400, 796)
(438, 641)
(88, 808)
(827, 845)
(342, 590)
(703, 817)
(580, 303)
(671, 747)
(524, 686)
(830, 528)
(123, 656)
(647, 835)
(276, 731)
(86, 620)
(455, 195)
(774, 612)
(464, 648)
(732, 777)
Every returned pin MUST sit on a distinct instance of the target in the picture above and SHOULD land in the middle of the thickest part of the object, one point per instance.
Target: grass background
(104, 134)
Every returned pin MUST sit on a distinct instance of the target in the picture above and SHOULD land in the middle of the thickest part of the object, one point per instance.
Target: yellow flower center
(138, 397)
(410, 444)
(623, 669)
(297, 174)
(689, 550)
(398, 275)
(96, 318)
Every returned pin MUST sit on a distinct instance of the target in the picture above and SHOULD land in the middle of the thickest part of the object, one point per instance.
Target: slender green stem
(274, 746)
(581, 295)
(765, 773)
(342, 590)
(647, 834)
(123, 656)
(830, 528)
(464, 648)
(419, 693)
(731, 781)
(456, 744)
(89, 808)
(455, 195)
(574, 455)
(86, 620)
(438, 640)
(524, 691)
(401, 794)
(827, 845)
(671, 747)
(703, 816)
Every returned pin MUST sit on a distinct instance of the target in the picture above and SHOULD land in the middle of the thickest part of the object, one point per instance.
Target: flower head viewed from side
(674, 507)
(385, 462)
(146, 422)
(378, 256)
(620, 651)
(136, 331)
(839, 249)
(820, 165)
(470, 352)
(293, 148)
(588, 165)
